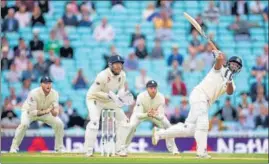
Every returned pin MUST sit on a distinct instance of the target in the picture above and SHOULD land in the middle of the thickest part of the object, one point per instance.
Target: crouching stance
(40, 105)
(149, 106)
(102, 95)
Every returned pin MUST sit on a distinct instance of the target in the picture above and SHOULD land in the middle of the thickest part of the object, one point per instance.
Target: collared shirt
(214, 84)
(144, 103)
(106, 81)
(37, 100)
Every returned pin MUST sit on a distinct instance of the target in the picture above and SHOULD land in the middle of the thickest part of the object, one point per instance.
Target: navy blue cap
(115, 59)
(45, 79)
(151, 83)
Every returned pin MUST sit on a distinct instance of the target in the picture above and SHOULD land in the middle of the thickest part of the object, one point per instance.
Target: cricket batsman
(41, 105)
(150, 105)
(218, 81)
(102, 95)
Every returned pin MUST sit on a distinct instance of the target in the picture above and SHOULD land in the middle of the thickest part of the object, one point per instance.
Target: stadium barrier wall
(142, 144)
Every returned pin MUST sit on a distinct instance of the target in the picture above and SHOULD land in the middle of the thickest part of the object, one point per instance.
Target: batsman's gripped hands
(217, 54)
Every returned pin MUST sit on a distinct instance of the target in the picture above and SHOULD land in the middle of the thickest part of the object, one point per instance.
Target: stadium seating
(89, 53)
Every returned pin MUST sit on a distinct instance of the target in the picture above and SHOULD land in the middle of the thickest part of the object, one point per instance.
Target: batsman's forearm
(219, 62)
(230, 88)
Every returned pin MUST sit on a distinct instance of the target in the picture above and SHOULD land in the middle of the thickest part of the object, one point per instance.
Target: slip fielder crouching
(42, 104)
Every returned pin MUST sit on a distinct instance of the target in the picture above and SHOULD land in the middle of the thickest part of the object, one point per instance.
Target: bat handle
(212, 45)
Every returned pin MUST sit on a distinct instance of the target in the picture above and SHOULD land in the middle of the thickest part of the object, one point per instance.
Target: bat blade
(195, 24)
(199, 29)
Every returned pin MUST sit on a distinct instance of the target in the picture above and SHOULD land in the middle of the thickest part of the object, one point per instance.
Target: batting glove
(216, 53)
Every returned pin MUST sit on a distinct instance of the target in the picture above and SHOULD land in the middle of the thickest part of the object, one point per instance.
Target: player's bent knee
(189, 129)
(94, 124)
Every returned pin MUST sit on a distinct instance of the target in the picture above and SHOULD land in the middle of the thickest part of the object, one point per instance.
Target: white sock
(201, 140)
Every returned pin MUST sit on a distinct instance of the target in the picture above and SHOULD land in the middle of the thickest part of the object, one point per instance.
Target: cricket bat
(199, 29)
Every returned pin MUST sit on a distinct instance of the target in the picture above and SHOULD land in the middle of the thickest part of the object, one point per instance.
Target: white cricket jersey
(37, 100)
(106, 81)
(215, 83)
(144, 103)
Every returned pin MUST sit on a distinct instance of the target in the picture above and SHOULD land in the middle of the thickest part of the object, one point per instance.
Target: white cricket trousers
(196, 124)
(26, 119)
(95, 109)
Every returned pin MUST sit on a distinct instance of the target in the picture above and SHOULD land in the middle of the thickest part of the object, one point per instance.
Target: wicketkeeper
(102, 95)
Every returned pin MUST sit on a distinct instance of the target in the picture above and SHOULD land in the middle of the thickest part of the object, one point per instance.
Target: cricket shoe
(206, 156)
(13, 150)
(60, 150)
(175, 152)
(123, 152)
(155, 138)
(89, 153)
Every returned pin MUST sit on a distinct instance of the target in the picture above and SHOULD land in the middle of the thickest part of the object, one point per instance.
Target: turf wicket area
(30, 158)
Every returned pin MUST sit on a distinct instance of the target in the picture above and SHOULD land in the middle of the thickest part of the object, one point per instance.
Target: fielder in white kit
(41, 105)
(216, 83)
(150, 105)
(102, 95)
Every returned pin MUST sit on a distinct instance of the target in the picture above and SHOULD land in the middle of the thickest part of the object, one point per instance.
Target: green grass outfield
(29, 158)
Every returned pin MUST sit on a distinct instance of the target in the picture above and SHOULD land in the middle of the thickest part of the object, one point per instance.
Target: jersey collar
(110, 73)
(150, 97)
(42, 92)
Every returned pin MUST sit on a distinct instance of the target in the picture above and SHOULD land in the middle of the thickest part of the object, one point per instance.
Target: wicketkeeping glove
(115, 98)
(127, 98)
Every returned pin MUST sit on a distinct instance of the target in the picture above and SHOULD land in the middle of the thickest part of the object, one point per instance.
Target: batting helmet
(237, 60)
